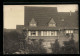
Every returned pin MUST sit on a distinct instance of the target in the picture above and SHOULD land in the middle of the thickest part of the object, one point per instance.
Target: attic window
(52, 23)
(33, 22)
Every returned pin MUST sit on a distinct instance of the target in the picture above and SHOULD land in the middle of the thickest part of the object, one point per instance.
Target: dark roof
(9, 30)
(42, 16)
(19, 27)
(52, 21)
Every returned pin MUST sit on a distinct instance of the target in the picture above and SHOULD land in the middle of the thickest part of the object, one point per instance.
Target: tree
(36, 47)
(55, 47)
(69, 47)
(10, 42)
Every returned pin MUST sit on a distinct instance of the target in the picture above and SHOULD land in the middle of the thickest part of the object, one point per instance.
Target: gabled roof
(42, 15)
(52, 21)
(32, 21)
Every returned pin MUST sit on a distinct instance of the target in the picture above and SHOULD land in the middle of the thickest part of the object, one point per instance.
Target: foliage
(69, 47)
(55, 47)
(10, 42)
(36, 47)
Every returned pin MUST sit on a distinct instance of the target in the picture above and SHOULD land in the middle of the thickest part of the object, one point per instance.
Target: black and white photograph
(41, 29)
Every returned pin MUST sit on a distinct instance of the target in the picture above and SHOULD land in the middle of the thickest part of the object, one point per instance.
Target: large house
(49, 24)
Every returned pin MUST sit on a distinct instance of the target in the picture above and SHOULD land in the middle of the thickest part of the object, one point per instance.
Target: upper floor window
(33, 33)
(49, 33)
(44, 33)
(53, 33)
(33, 22)
(52, 23)
(69, 31)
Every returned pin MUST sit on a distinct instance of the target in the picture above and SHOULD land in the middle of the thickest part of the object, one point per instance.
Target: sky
(14, 14)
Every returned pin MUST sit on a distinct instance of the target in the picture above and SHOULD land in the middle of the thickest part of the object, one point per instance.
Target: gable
(32, 21)
(52, 21)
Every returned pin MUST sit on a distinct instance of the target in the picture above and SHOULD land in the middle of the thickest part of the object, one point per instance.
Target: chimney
(70, 13)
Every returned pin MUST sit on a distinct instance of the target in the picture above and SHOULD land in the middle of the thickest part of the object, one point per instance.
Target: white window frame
(69, 31)
(52, 25)
(30, 33)
(32, 24)
(48, 33)
(54, 33)
(44, 33)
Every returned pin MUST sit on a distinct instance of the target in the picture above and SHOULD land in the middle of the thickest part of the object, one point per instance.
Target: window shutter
(41, 33)
(66, 31)
(71, 31)
(48, 33)
(29, 33)
(55, 33)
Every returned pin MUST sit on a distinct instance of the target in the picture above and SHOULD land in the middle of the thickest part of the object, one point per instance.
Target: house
(49, 24)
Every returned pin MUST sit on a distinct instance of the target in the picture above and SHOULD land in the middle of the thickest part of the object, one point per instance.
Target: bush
(55, 47)
(36, 47)
(69, 47)
(10, 42)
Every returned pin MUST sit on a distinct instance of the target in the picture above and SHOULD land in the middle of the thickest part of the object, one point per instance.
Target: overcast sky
(14, 14)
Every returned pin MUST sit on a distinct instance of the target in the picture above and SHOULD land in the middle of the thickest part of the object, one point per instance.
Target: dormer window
(52, 23)
(33, 23)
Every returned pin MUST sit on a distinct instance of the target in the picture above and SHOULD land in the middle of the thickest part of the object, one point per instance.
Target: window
(33, 33)
(52, 25)
(69, 31)
(53, 33)
(49, 33)
(44, 33)
(32, 24)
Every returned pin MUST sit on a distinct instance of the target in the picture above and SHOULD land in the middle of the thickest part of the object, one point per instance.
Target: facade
(49, 24)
